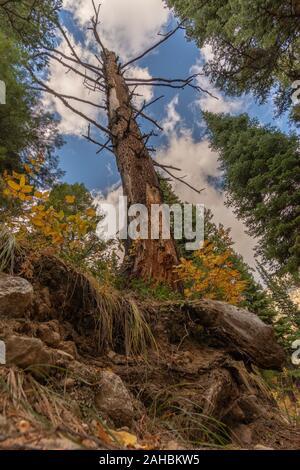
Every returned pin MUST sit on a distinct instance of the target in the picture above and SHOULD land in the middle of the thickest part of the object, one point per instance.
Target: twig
(165, 168)
(67, 104)
(165, 38)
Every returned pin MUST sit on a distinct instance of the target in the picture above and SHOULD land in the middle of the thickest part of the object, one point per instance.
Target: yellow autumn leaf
(16, 175)
(47, 230)
(60, 215)
(37, 222)
(38, 194)
(26, 189)
(58, 239)
(13, 185)
(22, 181)
(125, 438)
(70, 199)
(90, 212)
(24, 198)
(6, 192)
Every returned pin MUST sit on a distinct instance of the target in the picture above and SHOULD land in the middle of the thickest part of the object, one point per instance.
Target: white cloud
(127, 26)
(143, 92)
(172, 118)
(200, 165)
(69, 83)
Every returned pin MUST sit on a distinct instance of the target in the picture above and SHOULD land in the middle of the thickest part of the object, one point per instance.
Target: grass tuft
(8, 250)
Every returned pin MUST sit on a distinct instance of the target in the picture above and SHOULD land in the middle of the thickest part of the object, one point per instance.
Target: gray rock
(16, 296)
(114, 400)
(242, 330)
(25, 352)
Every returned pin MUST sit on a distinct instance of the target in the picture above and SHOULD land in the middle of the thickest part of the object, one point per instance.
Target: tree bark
(147, 259)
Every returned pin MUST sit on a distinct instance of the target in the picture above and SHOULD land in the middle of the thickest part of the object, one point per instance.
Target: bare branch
(150, 119)
(165, 80)
(95, 23)
(170, 83)
(165, 38)
(86, 65)
(69, 67)
(146, 105)
(67, 104)
(101, 145)
(177, 178)
(69, 97)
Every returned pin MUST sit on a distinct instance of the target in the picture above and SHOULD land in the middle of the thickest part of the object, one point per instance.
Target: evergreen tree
(31, 23)
(287, 319)
(26, 131)
(255, 43)
(261, 177)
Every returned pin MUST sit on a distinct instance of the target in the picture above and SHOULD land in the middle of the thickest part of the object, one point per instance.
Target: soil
(188, 389)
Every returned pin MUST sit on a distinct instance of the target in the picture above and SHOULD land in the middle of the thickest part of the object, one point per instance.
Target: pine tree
(261, 177)
(255, 44)
(30, 23)
(26, 130)
(287, 319)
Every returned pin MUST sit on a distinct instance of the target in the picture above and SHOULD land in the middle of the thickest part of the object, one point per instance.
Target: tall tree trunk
(150, 259)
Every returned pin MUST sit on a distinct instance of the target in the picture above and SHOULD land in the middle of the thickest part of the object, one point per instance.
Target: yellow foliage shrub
(56, 227)
(211, 274)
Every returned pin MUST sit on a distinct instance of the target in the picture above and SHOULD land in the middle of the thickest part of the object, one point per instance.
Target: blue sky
(173, 59)
(183, 143)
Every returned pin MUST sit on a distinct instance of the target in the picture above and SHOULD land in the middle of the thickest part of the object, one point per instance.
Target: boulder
(16, 296)
(114, 400)
(25, 352)
(243, 332)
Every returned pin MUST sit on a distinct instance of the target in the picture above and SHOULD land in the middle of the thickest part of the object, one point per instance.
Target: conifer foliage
(262, 179)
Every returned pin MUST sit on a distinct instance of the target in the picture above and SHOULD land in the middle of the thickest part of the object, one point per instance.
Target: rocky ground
(97, 369)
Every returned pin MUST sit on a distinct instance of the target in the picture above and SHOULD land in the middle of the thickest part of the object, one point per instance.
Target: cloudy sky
(129, 27)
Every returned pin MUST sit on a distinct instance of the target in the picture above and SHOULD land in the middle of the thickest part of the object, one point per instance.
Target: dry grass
(285, 389)
(120, 321)
(9, 249)
(183, 419)
(113, 319)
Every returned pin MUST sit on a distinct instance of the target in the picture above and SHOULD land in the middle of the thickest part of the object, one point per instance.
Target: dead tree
(146, 259)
